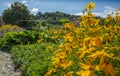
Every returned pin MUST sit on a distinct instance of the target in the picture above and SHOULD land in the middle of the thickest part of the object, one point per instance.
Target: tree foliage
(17, 14)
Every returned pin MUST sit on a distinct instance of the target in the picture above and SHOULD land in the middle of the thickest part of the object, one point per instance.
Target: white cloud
(79, 14)
(101, 14)
(24, 1)
(34, 11)
(8, 4)
(106, 11)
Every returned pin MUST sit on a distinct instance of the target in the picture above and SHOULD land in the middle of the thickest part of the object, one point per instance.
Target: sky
(103, 7)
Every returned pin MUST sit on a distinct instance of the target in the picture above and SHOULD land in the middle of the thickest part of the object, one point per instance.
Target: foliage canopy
(17, 14)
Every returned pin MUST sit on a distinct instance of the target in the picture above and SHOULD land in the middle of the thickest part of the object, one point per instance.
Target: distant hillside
(55, 18)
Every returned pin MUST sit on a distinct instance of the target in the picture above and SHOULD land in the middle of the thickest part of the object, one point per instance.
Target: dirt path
(6, 65)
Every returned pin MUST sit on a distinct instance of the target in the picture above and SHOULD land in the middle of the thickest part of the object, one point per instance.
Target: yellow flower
(107, 27)
(39, 41)
(83, 73)
(54, 37)
(108, 19)
(65, 64)
(61, 55)
(88, 69)
(90, 6)
(87, 38)
(66, 47)
(96, 22)
(49, 48)
(81, 53)
(74, 44)
(100, 54)
(90, 15)
(68, 37)
(85, 67)
(109, 70)
(69, 26)
(69, 73)
(97, 68)
(83, 17)
(59, 58)
(50, 71)
(98, 41)
(118, 9)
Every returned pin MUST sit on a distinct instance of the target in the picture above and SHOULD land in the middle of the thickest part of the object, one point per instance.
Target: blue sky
(103, 7)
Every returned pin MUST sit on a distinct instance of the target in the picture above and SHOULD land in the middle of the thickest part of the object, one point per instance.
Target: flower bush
(90, 49)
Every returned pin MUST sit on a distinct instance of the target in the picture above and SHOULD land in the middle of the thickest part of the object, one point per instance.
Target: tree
(38, 15)
(17, 14)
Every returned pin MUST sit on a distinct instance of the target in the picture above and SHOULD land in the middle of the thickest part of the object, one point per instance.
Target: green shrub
(47, 38)
(15, 38)
(9, 28)
(34, 59)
